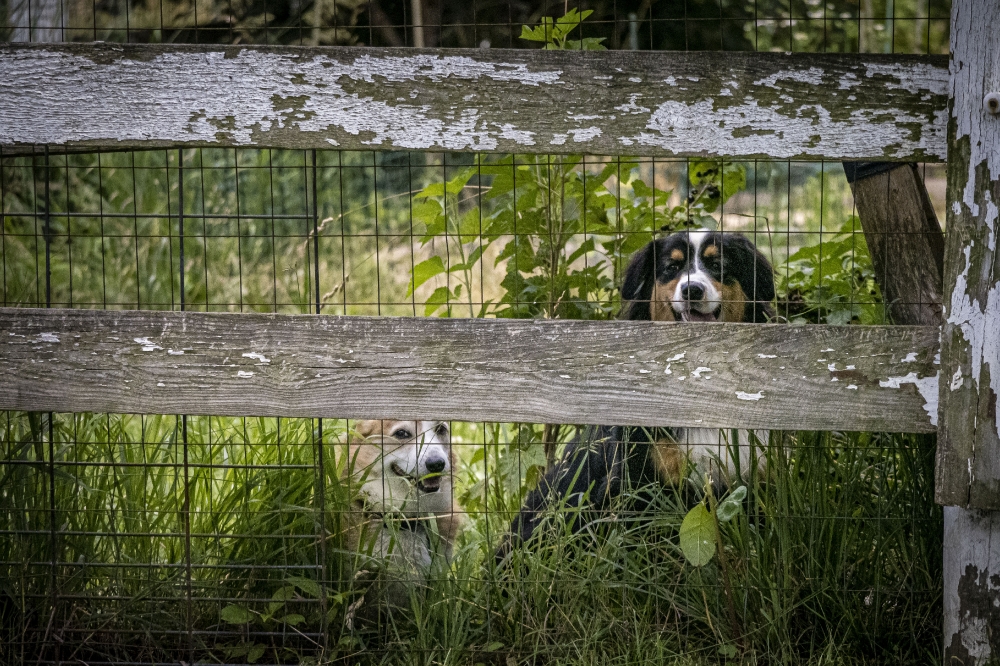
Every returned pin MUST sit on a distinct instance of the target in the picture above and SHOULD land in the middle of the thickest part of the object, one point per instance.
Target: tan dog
(405, 518)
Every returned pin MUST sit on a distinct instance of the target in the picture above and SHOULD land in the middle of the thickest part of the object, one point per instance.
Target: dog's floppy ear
(756, 278)
(637, 286)
(364, 429)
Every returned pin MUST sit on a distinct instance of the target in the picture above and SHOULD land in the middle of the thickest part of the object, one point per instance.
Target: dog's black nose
(436, 465)
(692, 292)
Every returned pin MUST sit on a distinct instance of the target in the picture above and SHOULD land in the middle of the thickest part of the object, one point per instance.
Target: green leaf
(727, 510)
(255, 653)
(738, 495)
(698, 536)
(727, 650)
(469, 225)
(236, 615)
(424, 271)
(440, 297)
(292, 619)
(585, 44)
(310, 587)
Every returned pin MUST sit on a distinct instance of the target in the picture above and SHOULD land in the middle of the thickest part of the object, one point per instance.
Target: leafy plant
(554, 33)
(832, 282)
(538, 207)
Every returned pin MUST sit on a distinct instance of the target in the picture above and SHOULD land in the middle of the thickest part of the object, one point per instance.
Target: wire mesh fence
(189, 539)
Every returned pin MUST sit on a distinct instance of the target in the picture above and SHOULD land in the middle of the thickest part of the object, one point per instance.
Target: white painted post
(968, 462)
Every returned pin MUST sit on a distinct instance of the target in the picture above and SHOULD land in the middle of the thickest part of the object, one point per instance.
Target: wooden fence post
(903, 236)
(968, 459)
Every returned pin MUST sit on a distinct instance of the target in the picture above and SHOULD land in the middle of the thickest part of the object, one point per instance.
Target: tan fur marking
(734, 301)
(677, 254)
(711, 251)
(668, 460)
(660, 308)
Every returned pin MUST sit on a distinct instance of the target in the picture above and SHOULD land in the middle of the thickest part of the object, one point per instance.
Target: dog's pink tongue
(694, 315)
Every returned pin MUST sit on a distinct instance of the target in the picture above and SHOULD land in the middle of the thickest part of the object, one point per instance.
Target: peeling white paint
(767, 356)
(160, 384)
(832, 367)
(180, 97)
(176, 352)
(750, 396)
(927, 386)
(257, 356)
(914, 78)
(147, 344)
(697, 372)
(676, 358)
(956, 380)
(813, 76)
(244, 374)
(47, 337)
(910, 358)
(644, 372)
(586, 134)
(971, 65)
(979, 324)
(698, 127)
(852, 387)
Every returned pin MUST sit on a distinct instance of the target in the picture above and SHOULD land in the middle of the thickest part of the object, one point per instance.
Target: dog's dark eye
(402, 433)
(441, 430)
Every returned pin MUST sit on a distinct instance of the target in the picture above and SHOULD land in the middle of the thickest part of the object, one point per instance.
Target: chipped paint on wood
(927, 386)
(971, 586)
(968, 469)
(807, 106)
(754, 376)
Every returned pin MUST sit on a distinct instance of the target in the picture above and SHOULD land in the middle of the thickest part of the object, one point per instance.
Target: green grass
(837, 558)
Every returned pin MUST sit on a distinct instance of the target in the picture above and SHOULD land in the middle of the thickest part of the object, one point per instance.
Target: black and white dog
(689, 276)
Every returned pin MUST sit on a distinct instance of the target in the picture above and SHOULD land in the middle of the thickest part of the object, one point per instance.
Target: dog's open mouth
(694, 315)
(427, 484)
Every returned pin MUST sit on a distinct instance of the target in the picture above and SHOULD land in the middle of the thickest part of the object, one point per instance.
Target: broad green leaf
(470, 225)
(432, 190)
(427, 212)
(440, 297)
(255, 653)
(236, 615)
(424, 271)
(698, 536)
(727, 650)
(293, 619)
(310, 587)
(585, 44)
(727, 510)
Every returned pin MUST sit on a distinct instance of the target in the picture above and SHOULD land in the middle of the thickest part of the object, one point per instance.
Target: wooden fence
(739, 106)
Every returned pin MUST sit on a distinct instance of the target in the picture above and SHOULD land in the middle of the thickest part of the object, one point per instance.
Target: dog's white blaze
(386, 488)
(696, 275)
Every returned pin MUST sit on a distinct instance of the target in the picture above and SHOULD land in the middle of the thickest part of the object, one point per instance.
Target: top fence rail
(671, 104)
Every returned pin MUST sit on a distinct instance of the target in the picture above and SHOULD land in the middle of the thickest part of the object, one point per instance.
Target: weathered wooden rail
(734, 105)
(643, 373)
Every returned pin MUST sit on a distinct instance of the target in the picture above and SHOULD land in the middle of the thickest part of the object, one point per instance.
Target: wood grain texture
(968, 464)
(905, 241)
(737, 105)
(644, 373)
